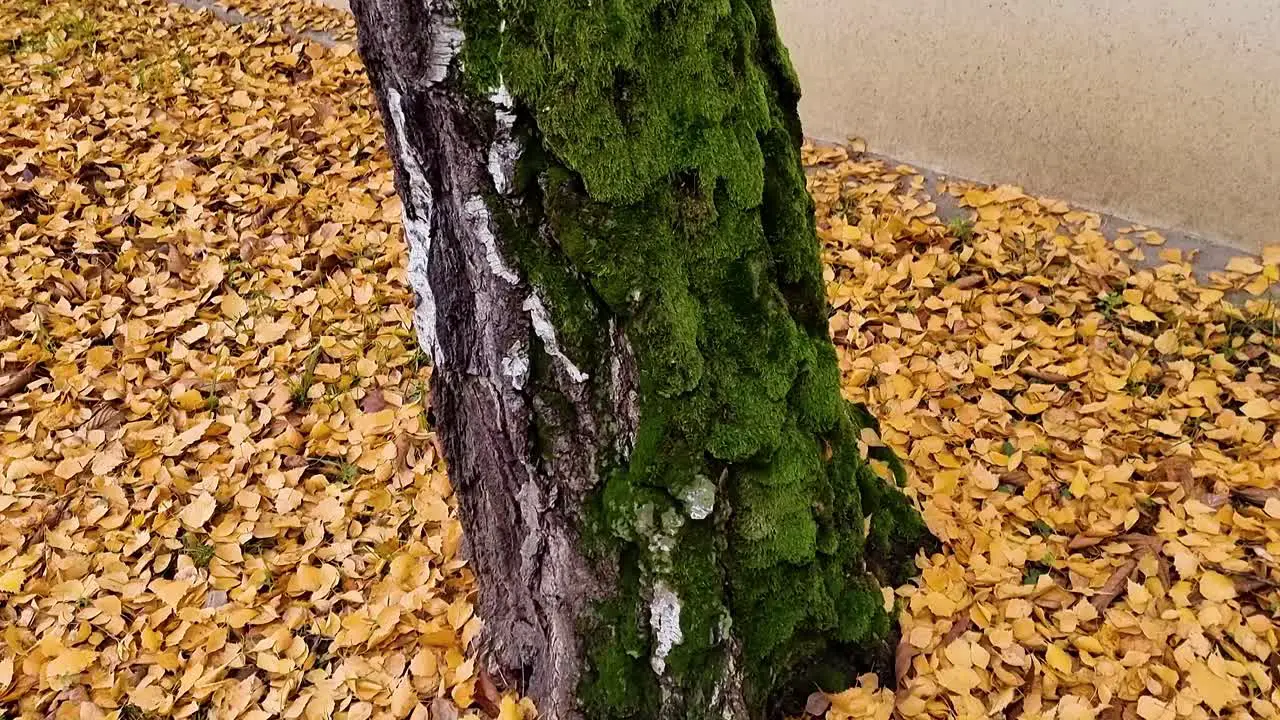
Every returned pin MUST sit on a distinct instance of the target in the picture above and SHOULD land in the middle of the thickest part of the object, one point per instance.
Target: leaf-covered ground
(218, 491)
(1097, 445)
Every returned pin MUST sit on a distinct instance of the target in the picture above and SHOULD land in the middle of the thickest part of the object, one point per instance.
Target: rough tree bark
(665, 496)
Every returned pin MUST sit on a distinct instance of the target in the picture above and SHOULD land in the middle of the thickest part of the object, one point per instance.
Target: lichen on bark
(661, 188)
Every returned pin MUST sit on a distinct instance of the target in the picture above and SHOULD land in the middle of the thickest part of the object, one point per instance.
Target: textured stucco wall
(1163, 111)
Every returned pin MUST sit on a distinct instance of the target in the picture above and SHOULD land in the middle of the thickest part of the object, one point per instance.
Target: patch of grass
(257, 546)
(198, 549)
(961, 228)
(1033, 573)
(420, 359)
(1036, 570)
(421, 394)
(184, 63)
(78, 27)
(341, 472)
(67, 28)
(22, 44)
(152, 74)
(1261, 327)
(81, 29)
(1042, 527)
(318, 647)
(347, 473)
(1143, 388)
(268, 582)
(300, 389)
(1109, 303)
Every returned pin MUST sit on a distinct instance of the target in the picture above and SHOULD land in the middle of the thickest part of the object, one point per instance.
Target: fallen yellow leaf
(198, 511)
(1257, 408)
(189, 399)
(1142, 314)
(1216, 587)
(1246, 265)
(1057, 658)
(11, 581)
(1215, 691)
(70, 662)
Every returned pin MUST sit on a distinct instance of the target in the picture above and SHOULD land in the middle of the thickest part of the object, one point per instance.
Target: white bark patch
(504, 149)
(622, 388)
(418, 208)
(699, 497)
(727, 694)
(530, 500)
(664, 618)
(542, 327)
(446, 41)
(479, 220)
(515, 365)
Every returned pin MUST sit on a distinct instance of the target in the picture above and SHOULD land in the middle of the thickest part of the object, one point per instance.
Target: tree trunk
(664, 496)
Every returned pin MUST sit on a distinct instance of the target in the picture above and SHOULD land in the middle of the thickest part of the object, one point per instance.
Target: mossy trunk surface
(664, 493)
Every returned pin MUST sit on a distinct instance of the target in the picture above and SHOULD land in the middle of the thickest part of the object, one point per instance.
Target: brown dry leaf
(1177, 469)
(487, 695)
(373, 401)
(1114, 586)
(902, 661)
(816, 704)
(17, 381)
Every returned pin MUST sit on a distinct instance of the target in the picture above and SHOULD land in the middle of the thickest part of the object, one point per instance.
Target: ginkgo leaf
(184, 440)
(150, 698)
(1257, 408)
(1246, 265)
(198, 511)
(1057, 658)
(170, 592)
(1215, 691)
(1142, 314)
(108, 460)
(70, 662)
(189, 399)
(11, 580)
(1217, 587)
(1167, 342)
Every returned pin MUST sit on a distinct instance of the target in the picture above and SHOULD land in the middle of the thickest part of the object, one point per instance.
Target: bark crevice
(455, 153)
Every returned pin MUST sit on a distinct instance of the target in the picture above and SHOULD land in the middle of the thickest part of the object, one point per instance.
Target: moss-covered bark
(660, 188)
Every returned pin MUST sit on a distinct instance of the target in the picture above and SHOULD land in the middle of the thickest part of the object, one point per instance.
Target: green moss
(662, 190)
(619, 681)
(699, 582)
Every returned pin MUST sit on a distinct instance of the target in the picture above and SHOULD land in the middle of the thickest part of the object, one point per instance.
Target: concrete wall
(1162, 111)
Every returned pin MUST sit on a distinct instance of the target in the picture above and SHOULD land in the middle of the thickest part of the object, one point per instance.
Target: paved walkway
(1208, 256)
(235, 17)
